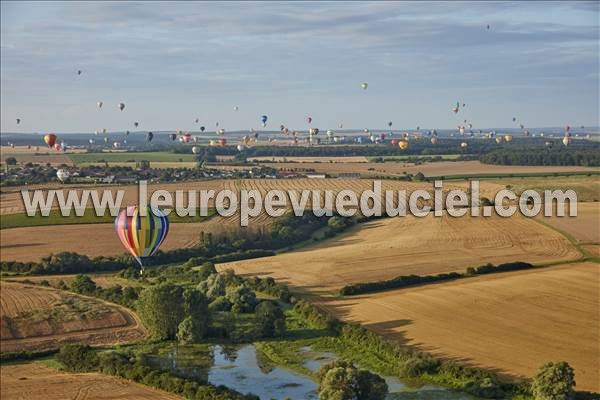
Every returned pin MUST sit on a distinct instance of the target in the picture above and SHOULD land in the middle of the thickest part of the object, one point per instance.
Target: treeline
(238, 245)
(81, 358)
(588, 156)
(410, 280)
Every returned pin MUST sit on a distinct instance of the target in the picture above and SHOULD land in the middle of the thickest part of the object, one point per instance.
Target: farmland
(510, 323)
(36, 318)
(431, 169)
(36, 381)
(32, 243)
(120, 157)
(387, 248)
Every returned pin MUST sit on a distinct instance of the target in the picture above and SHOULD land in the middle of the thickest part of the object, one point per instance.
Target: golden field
(34, 381)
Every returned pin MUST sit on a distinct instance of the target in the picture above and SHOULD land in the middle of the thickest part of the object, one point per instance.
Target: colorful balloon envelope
(142, 235)
(50, 139)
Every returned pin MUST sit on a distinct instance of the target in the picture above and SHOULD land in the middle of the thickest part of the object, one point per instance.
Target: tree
(554, 381)
(83, 284)
(162, 309)
(77, 357)
(213, 286)
(341, 380)
(270, 320)
(11, 161)
(188, 331)
(242, 298)
(196, 308)
(418, 177)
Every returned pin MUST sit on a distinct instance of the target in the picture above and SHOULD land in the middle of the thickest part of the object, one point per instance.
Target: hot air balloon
(566, 140)
(116, 145)
(394, 142)
(464, 145)
(488, 27)
(79, 72)
(508, 138)
(263, 119)
(172, 136)
(235, 108)
(461, 130)
(222, 142)
(526, 133)
(197, 120)
(499, 139)
(212, 142)
(104, 131)
(99, 104)
(456, 108)
(121, 106)
(141, 235)
(18, 121)
(514, 119)
(136, 124)
(50, 139)
(241, 147)
(202, 128)
(221, 131)
(364, 85)
(341, 126)
(187, 137)
(92, 141)
(56, 147)
(434, 140)
(62, 175)
(403, 144)
(106, 139)
(309, 120)
(313, 131)
(390, 124)
(195, 149)
(149, 137)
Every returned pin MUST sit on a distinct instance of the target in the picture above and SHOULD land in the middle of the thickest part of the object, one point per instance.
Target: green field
(130, 157)
(55, 218)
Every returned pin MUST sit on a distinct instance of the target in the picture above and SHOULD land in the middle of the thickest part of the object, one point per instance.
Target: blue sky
(173, 62)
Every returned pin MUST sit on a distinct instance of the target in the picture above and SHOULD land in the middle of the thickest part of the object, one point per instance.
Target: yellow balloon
(403, 144)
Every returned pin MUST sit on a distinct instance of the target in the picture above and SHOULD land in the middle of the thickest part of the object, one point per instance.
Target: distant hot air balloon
(434, 140)
(212, 142)
(126, 133)
(136, 124)
(79, 72)
(341, 126)
(106, 139)
(99, 104)
(464, 145)
(121, 106)
(62, 175)
(92, 141)
(456, 108)
(149, 137)
(57, 147)
(116, 145)
(499, 139)
(566, 140)
(50, 139)
(394, 142)
(263, 119)
(514, 119)
(197, 120)
(309, 120)
(241, 147)
(187, 137)
(508, 138)
(202, 128)
(172, 136)
(141, 235)
(364, 85)
(403, 144)
(221, 131)
(222, 142)
(18, 121)
(235, 108)
(195, 149)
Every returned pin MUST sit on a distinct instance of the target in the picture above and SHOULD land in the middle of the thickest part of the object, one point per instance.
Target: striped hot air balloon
(142, 235)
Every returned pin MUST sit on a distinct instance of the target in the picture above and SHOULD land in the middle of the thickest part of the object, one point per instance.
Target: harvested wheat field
(37, 318)
(408, 245)
(585, 227)
(509, 322)
(441, 168)
(349, 159)
(33, 243)
(34, 381)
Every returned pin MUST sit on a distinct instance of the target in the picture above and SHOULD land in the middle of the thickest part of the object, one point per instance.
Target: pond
(245, 370)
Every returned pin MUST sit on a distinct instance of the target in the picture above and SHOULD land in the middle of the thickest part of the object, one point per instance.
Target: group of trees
(588, 156)
(81, 358)
(410, 280)
(341, 380)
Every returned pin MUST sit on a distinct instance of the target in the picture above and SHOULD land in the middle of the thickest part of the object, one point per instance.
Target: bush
(486, 387)
(77, 358)
(270, 320)
(416, 366)
(242, 298)
(554, 381)
(83, 284)
(341, 380)
(220, 304)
